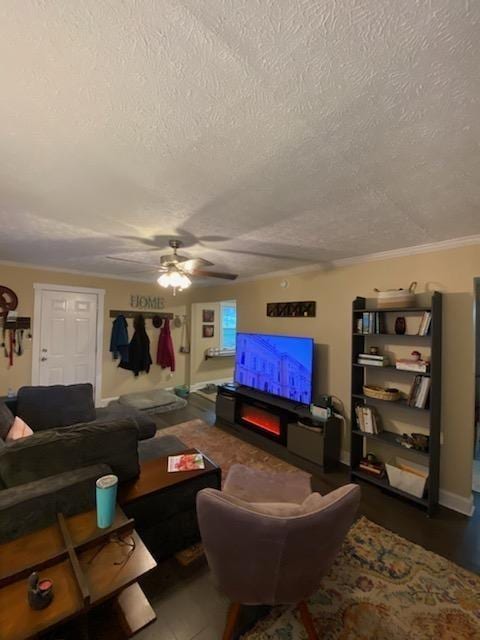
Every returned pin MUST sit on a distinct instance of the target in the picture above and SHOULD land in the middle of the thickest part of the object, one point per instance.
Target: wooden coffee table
(155, 477)
(87, 565)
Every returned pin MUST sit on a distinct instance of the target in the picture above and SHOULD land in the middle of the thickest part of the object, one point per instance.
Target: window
(228, 324)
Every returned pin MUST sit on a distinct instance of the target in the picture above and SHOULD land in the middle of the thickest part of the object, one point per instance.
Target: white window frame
(223, 304)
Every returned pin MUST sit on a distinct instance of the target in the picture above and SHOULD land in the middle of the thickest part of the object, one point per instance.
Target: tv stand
(276, 424)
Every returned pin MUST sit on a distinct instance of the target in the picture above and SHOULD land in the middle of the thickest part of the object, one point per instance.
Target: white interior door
(68, 337)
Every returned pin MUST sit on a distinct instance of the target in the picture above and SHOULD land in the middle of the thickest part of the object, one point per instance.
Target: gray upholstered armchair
(269, 540)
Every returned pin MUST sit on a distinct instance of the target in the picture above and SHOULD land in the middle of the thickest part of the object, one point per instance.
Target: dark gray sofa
(55, 469)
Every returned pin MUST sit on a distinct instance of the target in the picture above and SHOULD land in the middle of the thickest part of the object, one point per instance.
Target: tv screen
(280, 365)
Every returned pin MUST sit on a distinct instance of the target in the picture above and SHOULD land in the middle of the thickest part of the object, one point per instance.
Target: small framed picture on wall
(208, 330)
(208, 315)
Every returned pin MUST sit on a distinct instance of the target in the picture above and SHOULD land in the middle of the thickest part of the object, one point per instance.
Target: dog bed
(154, 401)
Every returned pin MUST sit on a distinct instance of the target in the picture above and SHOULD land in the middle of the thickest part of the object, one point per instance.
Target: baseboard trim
(199, 385)
(457, 503)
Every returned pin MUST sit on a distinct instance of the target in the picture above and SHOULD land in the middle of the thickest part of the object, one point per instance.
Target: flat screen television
(279, 365)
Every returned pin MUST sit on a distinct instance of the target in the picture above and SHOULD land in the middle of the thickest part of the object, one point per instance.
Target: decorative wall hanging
(208, 315)
(291, 309)
(208, 330)
(8, 301)
(147, 302)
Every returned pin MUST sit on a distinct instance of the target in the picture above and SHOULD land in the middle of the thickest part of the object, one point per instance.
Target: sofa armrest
(35, 505)
(48, 453)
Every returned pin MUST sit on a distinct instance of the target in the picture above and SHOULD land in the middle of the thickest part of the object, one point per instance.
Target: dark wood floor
(190, 608)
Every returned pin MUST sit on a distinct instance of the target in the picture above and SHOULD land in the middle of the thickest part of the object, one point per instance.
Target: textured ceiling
(266, 133)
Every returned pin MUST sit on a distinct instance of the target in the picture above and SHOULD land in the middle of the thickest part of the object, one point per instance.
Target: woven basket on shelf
(372, 391)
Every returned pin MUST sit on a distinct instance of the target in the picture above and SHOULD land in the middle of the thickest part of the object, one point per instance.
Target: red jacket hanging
(166, 351)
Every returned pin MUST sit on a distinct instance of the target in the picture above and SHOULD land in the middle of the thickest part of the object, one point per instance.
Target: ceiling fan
(176, 270)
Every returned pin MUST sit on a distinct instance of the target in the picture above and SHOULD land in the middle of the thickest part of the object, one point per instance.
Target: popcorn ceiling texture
(267, 133)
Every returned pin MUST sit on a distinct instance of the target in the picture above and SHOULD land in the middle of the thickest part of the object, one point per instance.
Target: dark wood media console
(274, 424)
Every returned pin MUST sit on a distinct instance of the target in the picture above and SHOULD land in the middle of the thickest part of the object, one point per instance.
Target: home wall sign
(305, 309)
(147, 302)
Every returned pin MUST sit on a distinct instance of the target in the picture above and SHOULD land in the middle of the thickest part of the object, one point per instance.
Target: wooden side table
(87, 566)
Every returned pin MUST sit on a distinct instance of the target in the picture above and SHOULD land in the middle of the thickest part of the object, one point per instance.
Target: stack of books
(368, 419)
(420, 392)
(425, 324)
(371, 322)
(406, 364)
(371, 360)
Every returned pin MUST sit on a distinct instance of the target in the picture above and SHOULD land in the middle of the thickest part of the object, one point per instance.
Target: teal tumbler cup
(106, 500)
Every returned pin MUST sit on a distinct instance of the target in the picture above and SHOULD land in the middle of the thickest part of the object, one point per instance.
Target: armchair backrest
(260, 558)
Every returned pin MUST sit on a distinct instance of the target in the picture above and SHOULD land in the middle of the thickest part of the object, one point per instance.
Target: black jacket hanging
(139, 358)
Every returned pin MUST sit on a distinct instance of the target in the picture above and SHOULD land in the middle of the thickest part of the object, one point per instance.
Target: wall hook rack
(148, 315)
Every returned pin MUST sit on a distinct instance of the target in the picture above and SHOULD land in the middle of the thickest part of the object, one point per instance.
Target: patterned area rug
(224, 449)
(383, 587)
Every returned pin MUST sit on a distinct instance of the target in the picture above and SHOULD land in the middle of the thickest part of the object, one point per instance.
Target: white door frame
(39, 289)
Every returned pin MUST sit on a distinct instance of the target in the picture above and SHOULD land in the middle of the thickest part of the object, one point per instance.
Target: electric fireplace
(262, 419)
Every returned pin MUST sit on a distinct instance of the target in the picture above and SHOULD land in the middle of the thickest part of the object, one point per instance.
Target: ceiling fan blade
(212, 274)
(195, 263)
(146, 264)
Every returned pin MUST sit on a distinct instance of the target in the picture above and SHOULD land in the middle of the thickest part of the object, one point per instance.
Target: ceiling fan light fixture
(175, 280)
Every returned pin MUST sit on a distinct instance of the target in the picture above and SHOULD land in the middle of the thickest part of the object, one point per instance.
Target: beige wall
(451, 272)
(202, 370)
(115, 381)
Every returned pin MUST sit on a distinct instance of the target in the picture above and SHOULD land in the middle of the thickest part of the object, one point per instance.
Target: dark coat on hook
(139, 358)
(119, 339)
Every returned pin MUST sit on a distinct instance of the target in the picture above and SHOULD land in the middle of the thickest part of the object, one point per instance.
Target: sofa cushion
(146, 426)
(6, 420)
(58, 450)
(56, 406)
(19, 429)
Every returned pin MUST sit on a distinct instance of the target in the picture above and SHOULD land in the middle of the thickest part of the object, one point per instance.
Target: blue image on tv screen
(279, 365)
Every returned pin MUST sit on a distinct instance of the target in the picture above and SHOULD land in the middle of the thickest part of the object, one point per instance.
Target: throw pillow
(6, 420)
(19, 429)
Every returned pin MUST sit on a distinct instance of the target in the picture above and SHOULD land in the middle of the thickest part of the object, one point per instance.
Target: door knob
(43, 359)
(44, 350)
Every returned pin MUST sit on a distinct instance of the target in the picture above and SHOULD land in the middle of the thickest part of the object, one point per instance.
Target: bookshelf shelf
(395, 310)
(391, 367)
(392, 335)
(390, 438)
(394, 403)
(383, 483)
(359, 377)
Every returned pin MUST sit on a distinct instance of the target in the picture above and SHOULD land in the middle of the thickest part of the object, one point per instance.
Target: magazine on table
(186, 462)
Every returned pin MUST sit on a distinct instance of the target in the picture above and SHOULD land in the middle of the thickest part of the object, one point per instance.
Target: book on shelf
(406, 364)
(368, 419)
(372, 360)
(425, 323)
(419, 392)
(370, 323)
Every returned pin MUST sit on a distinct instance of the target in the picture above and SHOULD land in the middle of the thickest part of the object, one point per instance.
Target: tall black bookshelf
(360, 377)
